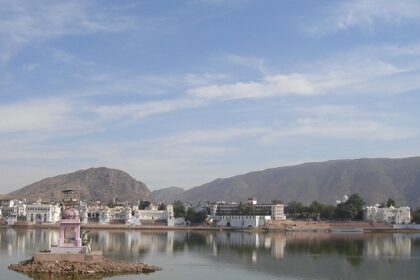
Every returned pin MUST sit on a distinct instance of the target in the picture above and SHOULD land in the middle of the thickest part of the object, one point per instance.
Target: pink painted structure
(69, 239)
(69, 247)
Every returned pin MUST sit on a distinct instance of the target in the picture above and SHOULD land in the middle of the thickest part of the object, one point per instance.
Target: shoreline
(298, 226)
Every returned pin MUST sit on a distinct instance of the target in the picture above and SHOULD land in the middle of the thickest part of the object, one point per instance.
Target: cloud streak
(366, 14)
(33, 115)
(23, 22)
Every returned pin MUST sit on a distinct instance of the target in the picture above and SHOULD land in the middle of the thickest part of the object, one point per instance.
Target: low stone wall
(69, 257)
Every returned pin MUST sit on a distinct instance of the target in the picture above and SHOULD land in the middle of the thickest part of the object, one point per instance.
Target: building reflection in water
(399, 245)
(20, 242)
(128, 244)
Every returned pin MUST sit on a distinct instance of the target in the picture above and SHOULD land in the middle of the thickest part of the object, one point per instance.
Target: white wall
(241, 221)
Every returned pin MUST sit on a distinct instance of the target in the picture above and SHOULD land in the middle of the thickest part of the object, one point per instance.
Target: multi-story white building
(389, 215)
(153, 215)
(241, 221)
(129, 215)
(13, 209)
(276, 211)
(43, 213)
(250, 214)
(96, 214)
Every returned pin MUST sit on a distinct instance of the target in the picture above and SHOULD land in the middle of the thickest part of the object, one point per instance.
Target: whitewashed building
(97, 214)
(12, 209)
(128, 215)
(152, 215)
(388, 215)
(250, 214)
(241, 221)
(43, 213)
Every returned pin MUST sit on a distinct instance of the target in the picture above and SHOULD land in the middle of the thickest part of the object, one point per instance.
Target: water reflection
(298, 254)
(129, 244)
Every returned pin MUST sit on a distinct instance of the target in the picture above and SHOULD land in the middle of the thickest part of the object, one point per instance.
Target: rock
(106, 268)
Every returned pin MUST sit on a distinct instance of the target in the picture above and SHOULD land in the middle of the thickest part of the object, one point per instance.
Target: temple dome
(70, 213)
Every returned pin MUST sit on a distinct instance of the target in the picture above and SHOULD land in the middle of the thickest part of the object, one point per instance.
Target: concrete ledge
(93, 257)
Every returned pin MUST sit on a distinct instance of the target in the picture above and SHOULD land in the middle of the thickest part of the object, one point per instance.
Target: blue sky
(178, 93)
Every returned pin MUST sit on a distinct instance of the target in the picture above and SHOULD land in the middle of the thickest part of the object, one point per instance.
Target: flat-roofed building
(250, 214)
(388, 215)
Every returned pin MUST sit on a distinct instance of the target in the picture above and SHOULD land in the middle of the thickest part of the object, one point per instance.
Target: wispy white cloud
(23, 22)
(330, 110)
(32, 115)
(62, 56)
(48, 118)
(277, 85)
(384, 69)
(366, 14)
(322, 78)
(365, 129)
(217, 135)
(230, 2)
(142, 110)
(251, 62)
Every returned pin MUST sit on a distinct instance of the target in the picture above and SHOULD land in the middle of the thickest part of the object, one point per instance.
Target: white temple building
(152, 215)
(43, 213)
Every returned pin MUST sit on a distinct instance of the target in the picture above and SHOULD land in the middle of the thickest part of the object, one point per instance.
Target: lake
(237, 255)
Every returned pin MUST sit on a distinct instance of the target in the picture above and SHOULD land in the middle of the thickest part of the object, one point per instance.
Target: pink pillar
(77, 237)
(61, 237)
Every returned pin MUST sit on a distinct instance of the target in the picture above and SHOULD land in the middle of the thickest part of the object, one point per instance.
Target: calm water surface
(238, 255)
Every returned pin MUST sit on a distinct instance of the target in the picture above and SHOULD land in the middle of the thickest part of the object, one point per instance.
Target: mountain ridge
(96, 183)
(167, 194)
(375, 179)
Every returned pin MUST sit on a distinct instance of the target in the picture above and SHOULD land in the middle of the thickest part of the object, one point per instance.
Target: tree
(294, 209)
(277, 201)
(144, 204)
(327, 212)
(195, 217)
(190, 215)
(356, 201)
(344, 212)
(416, 216)
(352, 209)
(314, 210)
(179, 209)
(241, 209)
(390, 202)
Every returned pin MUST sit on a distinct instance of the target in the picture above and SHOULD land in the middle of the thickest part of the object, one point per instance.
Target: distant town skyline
(178, 93)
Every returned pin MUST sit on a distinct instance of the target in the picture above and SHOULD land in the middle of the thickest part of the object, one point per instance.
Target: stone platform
(92, 257)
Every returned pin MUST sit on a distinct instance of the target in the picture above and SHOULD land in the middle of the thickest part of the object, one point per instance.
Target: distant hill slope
(100, 183)
(374, 179)
(167, 194)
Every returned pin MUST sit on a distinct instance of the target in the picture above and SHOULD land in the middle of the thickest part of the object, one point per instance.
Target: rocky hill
(375, 180)
(101, 183)
(167, 194)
